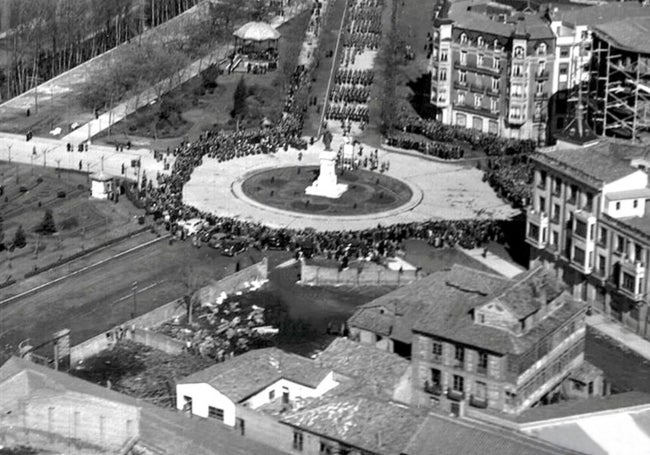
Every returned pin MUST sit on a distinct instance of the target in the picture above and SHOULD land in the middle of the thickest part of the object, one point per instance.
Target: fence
(361, 275)
(136, 329)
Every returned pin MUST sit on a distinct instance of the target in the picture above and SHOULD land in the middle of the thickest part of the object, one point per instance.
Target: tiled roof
(632, 33)
(597, 162)
(244, 375)
(588, 406)
(445, 436)
(374, 368)
(167, 431)
(396, 313)
(364, 422)
(600, 14)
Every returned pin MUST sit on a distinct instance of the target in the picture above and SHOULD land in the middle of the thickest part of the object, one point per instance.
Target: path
(443, 191)
(618, 332)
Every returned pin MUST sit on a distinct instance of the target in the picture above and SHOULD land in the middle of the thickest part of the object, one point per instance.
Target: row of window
(480, 60)
(519, 51)
(476, 123)
(478, 101)
(458, 384)
(437, 350)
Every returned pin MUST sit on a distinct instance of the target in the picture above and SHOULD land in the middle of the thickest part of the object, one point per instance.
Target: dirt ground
(81, 222)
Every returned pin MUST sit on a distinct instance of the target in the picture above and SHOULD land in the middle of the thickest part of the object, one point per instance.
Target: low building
(479, 339)
(47, 409)
(269, 378)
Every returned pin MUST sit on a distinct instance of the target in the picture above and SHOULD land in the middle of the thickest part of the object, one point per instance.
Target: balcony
(477, 402)
(541, 95)
(460, 85)
(456, 395)
(537, 228)
(433, 389)
(516, 119)
(631, 279)
(542, 75)
(476, 88)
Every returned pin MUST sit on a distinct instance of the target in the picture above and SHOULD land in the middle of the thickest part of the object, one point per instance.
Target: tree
(47, 226)
(19, 238)
(239, 100)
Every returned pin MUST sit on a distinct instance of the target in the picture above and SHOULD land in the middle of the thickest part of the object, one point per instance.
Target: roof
(446, 436)
(593, 165)
(396, 313)
(100, 176)
(441, 305)
(578, 131)
(641, 193)
(600, 14)
(466, 15)
(168, 431)
(581, 407)
(631, 34)
(365, 422)
(244, 375)
(257, 31)
(356, 360)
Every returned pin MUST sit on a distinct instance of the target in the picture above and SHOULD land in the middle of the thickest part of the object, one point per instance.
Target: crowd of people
(350, 94)
(438, 149)
(354, 77)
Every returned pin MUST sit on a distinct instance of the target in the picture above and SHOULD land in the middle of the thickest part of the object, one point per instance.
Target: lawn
(206, 101)
(80, 223)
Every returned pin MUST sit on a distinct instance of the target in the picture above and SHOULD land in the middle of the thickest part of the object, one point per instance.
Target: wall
(204, 395)
(158, 341)
(369, 274)
(295, 391)
(153, 318)
(266, 429)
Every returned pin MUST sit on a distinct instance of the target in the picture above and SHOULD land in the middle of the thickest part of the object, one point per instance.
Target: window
(515, 112)
(555, 216)
(497, 46)
(620, 244)
(628, 282)
(442, 76)
(463, 57)
(459, 355)
(573, 194)
(581, 229)
(459, 383)
(540, 88)
(443, 55)
(494, 106)
(436, 349)
(589, 202)
(463, 38)
(541, 49)
(480, 41)
(462, 77)
(215, 413)
(496, 63)
(480, 391)
(542, 201)
(479, 60)
(541, 67)
(478, 101)
(533, 231)
(271, 394)
(602, 265)
(618, 206)
(590, 388)
(482, 362)
(517, 70)
(519, 52)
(461, 97)
(555, 238)
(635, 203)
(564, 69)
(436, 377)
(461, 119)
(495, 83)
(579, 256)
(298, 440)
(565, 51)
(602, 236)
(638, 252)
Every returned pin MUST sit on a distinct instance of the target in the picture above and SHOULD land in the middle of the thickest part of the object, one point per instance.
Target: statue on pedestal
(327, 140)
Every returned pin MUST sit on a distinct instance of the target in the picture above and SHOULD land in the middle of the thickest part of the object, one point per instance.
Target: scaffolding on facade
(619, 89)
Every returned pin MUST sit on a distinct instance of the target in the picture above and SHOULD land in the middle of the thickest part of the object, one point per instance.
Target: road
(96, 300)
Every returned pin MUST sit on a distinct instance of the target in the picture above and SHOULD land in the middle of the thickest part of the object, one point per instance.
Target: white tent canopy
(257, 31)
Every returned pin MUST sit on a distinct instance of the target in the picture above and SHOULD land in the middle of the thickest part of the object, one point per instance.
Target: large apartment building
(479, 339)
(490, 69)
(589, 220)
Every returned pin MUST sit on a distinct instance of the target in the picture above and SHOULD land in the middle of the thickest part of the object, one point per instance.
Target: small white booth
(101, 186)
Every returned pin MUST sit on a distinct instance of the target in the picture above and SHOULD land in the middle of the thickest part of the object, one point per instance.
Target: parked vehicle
(234, 246)
(191, 226)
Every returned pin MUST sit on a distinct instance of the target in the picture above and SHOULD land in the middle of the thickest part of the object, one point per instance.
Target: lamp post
(134, 288)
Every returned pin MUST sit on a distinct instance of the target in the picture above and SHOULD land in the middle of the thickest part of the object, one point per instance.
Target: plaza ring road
(440, 191)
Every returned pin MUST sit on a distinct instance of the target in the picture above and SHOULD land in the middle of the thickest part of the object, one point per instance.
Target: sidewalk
(496, 263)
(618, 332)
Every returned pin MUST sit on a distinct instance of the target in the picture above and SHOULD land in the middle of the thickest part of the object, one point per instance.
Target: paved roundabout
(438, 190)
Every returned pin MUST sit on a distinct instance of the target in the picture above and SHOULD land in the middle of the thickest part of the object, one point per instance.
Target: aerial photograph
(324, 227)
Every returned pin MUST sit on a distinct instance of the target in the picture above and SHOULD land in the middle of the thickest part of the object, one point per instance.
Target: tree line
(43, 38)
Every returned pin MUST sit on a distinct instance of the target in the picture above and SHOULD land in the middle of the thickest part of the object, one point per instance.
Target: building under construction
(619, 87)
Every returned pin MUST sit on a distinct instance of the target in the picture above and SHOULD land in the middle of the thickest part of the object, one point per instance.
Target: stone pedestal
(326, 184)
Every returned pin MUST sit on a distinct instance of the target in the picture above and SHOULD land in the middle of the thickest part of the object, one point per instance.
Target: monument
(326, 184)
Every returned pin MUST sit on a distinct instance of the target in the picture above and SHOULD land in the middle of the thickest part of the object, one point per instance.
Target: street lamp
(134, 288)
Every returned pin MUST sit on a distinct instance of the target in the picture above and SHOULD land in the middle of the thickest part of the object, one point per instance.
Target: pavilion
(256, 47)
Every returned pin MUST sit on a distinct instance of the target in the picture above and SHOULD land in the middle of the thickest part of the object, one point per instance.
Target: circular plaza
(428, 190)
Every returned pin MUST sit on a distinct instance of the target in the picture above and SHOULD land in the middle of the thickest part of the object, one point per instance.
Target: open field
(102, 297)
(81, 223)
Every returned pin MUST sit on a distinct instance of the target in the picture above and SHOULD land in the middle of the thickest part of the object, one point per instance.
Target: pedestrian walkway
(496, 263)
(620, 333)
